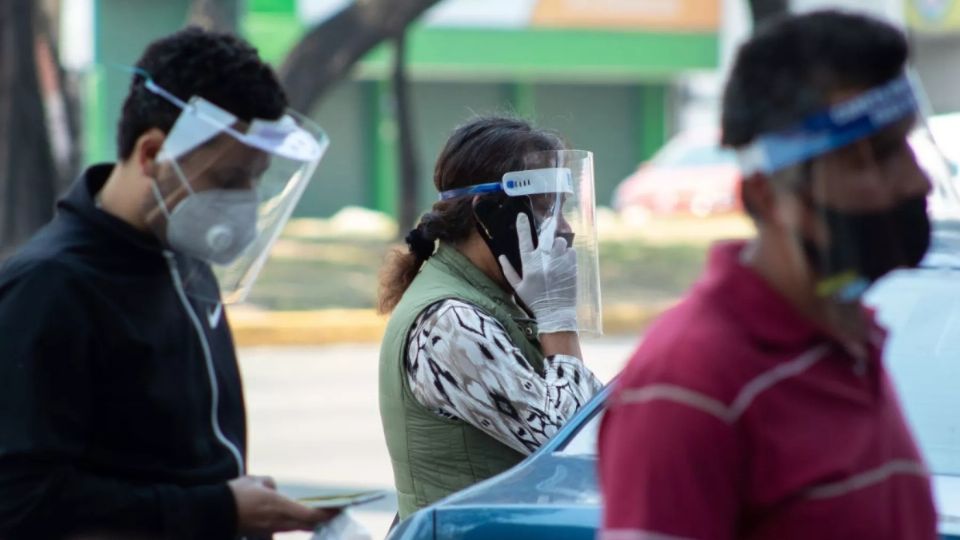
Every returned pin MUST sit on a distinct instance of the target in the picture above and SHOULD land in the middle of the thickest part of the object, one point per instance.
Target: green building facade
(609, 91)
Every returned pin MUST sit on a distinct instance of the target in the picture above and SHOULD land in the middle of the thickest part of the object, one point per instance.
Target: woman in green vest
(481, 361)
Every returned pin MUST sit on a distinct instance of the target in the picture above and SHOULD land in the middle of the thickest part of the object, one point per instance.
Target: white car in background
(691, 174)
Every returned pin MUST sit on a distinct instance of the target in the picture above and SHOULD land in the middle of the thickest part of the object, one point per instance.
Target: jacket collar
(114, 233)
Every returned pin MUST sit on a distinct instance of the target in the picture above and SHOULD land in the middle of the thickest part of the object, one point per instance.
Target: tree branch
(409, 182)
(27, 171)
(216, 15)
(763, 10)
(328, 51)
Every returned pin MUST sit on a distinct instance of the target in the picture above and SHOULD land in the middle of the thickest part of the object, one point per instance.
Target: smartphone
(497, 221)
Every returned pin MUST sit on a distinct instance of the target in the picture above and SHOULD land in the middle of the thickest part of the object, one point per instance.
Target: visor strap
(156, 89)
(162, 92)
(180, 176)
(159, 197)
(831, 129)
(152, 86)
(478, 189)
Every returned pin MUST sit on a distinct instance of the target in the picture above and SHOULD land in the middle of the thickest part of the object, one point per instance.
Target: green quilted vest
(433, 456)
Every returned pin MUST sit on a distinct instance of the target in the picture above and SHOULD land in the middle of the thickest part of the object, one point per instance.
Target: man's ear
(146, 150)
(758, 197)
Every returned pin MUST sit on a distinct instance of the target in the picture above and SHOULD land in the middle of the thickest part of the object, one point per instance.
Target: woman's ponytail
(403, 264)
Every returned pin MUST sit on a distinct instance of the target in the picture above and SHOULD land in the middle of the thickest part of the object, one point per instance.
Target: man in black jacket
(121, 406)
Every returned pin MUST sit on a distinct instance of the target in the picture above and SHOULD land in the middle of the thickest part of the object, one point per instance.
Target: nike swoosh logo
(213, 316)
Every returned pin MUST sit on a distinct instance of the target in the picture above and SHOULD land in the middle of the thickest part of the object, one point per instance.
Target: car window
(584, 441)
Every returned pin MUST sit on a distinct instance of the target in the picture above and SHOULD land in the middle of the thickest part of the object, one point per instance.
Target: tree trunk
(409, 173)
(328, 51)
(28, 175)
(216, 15)
(763, 10)
(60, 99)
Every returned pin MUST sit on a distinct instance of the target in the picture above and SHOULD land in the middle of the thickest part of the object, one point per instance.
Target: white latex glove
(549, 283)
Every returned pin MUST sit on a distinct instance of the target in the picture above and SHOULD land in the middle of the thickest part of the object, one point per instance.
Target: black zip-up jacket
(106, 399)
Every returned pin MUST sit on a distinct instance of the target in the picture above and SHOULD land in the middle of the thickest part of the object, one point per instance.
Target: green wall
(439, 108)
(548, 54)
(122, 28)
(619, 123)
(605, 91)
(343, 177)
(599, 118)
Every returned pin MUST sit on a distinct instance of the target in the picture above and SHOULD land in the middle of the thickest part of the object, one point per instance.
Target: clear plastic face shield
(223, 189)
(555, 191)
(857, 187)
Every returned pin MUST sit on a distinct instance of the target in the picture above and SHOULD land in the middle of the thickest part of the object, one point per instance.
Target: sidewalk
(314, 420)
(253, 327)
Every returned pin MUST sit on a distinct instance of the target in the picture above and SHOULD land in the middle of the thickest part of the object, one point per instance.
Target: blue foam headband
(833, 128)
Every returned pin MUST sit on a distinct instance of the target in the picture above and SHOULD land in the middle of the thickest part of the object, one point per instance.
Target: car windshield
(682, 153)
(921, 310)
(943, 203)
(584, 441)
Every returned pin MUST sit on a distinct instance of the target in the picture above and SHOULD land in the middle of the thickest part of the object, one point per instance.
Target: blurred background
(638, 82)
(635, 81)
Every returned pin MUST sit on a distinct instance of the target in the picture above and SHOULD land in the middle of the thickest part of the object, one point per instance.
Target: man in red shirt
(759, 407)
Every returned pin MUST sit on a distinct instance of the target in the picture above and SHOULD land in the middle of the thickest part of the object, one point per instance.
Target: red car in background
(691, 174)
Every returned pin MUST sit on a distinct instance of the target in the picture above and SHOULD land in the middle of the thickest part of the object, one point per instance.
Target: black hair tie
(420, 245)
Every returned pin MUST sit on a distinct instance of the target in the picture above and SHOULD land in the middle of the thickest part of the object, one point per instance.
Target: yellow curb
(631, 319)
(332, 326)
(321, 327)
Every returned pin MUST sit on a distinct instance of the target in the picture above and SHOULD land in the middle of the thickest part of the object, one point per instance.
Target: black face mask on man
(865, 246)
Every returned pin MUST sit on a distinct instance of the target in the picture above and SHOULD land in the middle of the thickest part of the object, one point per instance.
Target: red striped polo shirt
(739, 418)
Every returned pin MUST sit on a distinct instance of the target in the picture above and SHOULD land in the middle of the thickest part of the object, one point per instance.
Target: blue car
(551, 494)
(554, 492)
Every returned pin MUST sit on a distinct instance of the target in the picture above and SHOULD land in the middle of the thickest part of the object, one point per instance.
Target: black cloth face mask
(863, 247)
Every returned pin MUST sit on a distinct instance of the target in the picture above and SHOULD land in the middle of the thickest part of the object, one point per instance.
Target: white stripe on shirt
(635, 534)
(714, 407)
(868, 478)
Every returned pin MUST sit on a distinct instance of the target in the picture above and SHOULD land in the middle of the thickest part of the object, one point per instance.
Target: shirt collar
(765, 313)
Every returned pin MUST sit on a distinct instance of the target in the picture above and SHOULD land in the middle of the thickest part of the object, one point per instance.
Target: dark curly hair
(482, 150)
(221, 68)
(791, 65)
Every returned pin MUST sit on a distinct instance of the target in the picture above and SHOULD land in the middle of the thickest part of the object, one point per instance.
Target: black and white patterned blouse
(462, 364)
